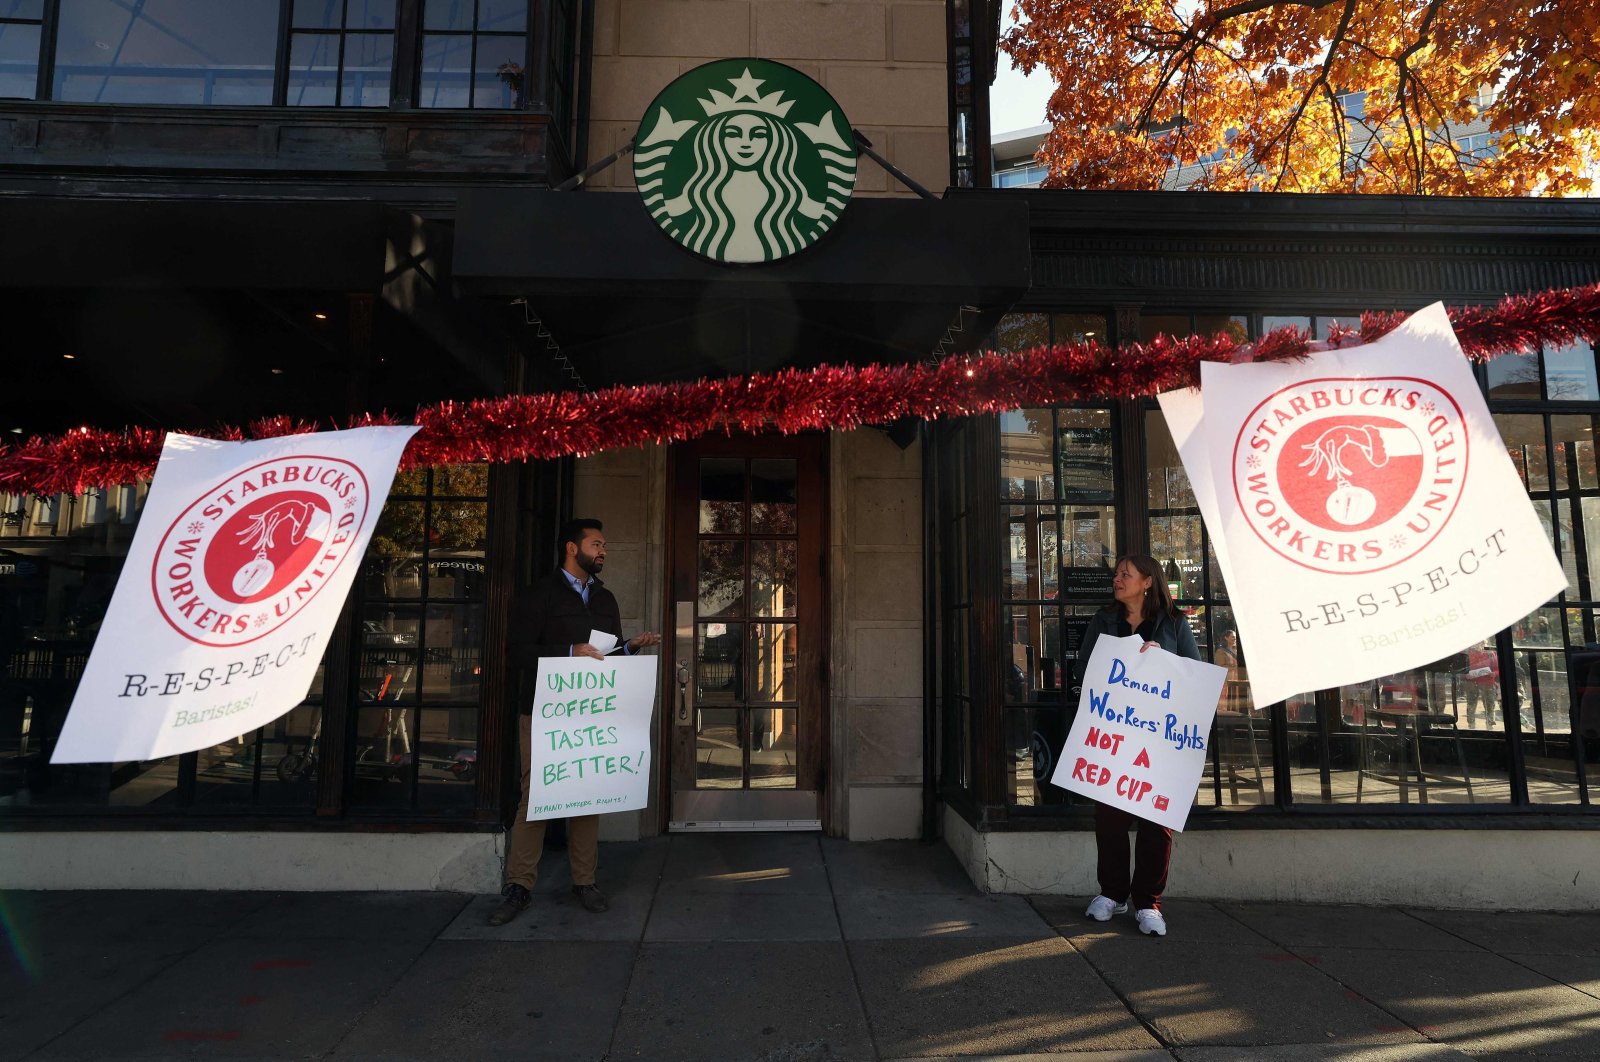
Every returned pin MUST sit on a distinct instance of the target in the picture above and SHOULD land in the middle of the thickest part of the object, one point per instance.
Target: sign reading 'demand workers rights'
(1139, 739)
(243, 558)
(590, 737)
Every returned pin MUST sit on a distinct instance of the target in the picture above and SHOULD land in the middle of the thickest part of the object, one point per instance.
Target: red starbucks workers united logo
(1347, 475)
(246, 556)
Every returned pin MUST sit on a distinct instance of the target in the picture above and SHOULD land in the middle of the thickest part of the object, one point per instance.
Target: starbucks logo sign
(745, 160)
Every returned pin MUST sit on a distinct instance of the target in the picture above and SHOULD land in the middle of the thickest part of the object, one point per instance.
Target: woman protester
(1140, 606)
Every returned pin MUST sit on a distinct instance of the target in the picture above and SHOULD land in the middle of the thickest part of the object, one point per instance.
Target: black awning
(626, 304)
(187, 243)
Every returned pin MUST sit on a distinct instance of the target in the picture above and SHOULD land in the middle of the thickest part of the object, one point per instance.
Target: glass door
(746, 654)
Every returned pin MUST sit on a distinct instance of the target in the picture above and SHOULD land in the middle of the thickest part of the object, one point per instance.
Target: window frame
(540, 55)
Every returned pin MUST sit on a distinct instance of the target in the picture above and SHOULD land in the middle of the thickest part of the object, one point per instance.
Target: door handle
(683, 651)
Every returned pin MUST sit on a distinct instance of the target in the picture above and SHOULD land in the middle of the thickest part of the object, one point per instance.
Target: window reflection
(719, 659)
(718, 752)
(1514, 376)
(774, 578)
(1027, 463)
(1020, 331)
(773, 734)
(166, 51)
(19, 57)
(774, 652)
(341, 53)
(721, 578)
(447, 757)
(774, 502)
(474, 54)
(722, 495)
(1569, 373)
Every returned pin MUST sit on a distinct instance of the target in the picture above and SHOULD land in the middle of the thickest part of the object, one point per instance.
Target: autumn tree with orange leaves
(1318, 95)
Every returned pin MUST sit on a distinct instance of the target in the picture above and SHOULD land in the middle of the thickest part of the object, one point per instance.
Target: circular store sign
(249, 554)
(745, 160)
(1351, 475)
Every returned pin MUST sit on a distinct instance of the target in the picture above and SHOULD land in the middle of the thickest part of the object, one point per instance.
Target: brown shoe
(593, 900)
(516, 901)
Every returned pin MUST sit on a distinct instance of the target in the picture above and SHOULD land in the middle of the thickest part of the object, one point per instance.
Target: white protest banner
(1369, 514)
(590, 741)
(1139, 740)
(243, 558)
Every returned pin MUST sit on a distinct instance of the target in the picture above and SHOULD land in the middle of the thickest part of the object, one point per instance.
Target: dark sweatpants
(1151, 855)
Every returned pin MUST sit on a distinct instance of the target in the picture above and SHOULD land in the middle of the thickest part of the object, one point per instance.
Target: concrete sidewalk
(782, 948)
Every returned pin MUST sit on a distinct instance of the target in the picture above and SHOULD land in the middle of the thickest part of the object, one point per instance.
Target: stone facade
(883, 61)
(875, 589)
(627, 491)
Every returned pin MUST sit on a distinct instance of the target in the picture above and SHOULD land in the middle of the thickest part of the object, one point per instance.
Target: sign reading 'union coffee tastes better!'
(745, 161)
(244, 555)
(1365, 514)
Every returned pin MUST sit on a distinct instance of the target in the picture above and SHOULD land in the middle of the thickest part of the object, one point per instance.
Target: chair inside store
(1405, 709)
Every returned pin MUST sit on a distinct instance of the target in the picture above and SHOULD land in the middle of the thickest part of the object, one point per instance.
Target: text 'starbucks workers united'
(745, 160)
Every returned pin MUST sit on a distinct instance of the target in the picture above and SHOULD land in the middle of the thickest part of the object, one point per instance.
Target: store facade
(1335, 794)
(866, 632)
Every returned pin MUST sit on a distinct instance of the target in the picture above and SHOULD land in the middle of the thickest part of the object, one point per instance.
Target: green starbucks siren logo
(745, 160)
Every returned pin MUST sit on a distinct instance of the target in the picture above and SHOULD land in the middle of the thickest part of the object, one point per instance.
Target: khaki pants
(527, 838)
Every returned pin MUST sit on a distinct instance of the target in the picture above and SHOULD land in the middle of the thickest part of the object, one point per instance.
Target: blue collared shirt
(583, 592)
(582, 588)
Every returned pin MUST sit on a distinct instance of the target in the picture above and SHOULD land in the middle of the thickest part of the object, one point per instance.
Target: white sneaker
(1151, 922)
(1101, 908)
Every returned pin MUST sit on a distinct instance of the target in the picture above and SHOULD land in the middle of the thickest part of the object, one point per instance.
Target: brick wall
(883, 61)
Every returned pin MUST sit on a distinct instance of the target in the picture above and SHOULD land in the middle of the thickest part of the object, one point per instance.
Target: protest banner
(1365, 514)
(1139, 739)
(590, 742)
(241, 563)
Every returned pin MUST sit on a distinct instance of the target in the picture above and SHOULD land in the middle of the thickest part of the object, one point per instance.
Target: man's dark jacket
(548, 619)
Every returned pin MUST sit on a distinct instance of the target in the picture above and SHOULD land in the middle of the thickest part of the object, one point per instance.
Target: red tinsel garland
(556, 424)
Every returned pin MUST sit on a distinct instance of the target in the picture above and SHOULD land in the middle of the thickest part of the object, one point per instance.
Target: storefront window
(1495, 724)
(1556, 374)
(420, 677)
(59, 564)
(1058, 489)
(417, 657)
(1239, 769)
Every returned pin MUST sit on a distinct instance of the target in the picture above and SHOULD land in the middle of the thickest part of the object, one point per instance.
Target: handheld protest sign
(1139, 741)
(590, 737)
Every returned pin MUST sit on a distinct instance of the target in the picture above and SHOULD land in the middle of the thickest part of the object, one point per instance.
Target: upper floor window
(165, 51)
(299, 53)
(21, 26)
(473, 53)
(341, 53)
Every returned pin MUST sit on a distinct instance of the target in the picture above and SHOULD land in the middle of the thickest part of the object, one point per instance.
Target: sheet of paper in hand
(590, 749)
(1139, 741)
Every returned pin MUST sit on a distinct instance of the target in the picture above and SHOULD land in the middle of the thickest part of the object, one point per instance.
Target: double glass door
(747, 648)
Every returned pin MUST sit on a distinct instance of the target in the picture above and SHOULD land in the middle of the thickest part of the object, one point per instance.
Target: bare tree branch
(1293, 125)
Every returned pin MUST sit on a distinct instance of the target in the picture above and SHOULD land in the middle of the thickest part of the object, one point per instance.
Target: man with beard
(554, 618)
